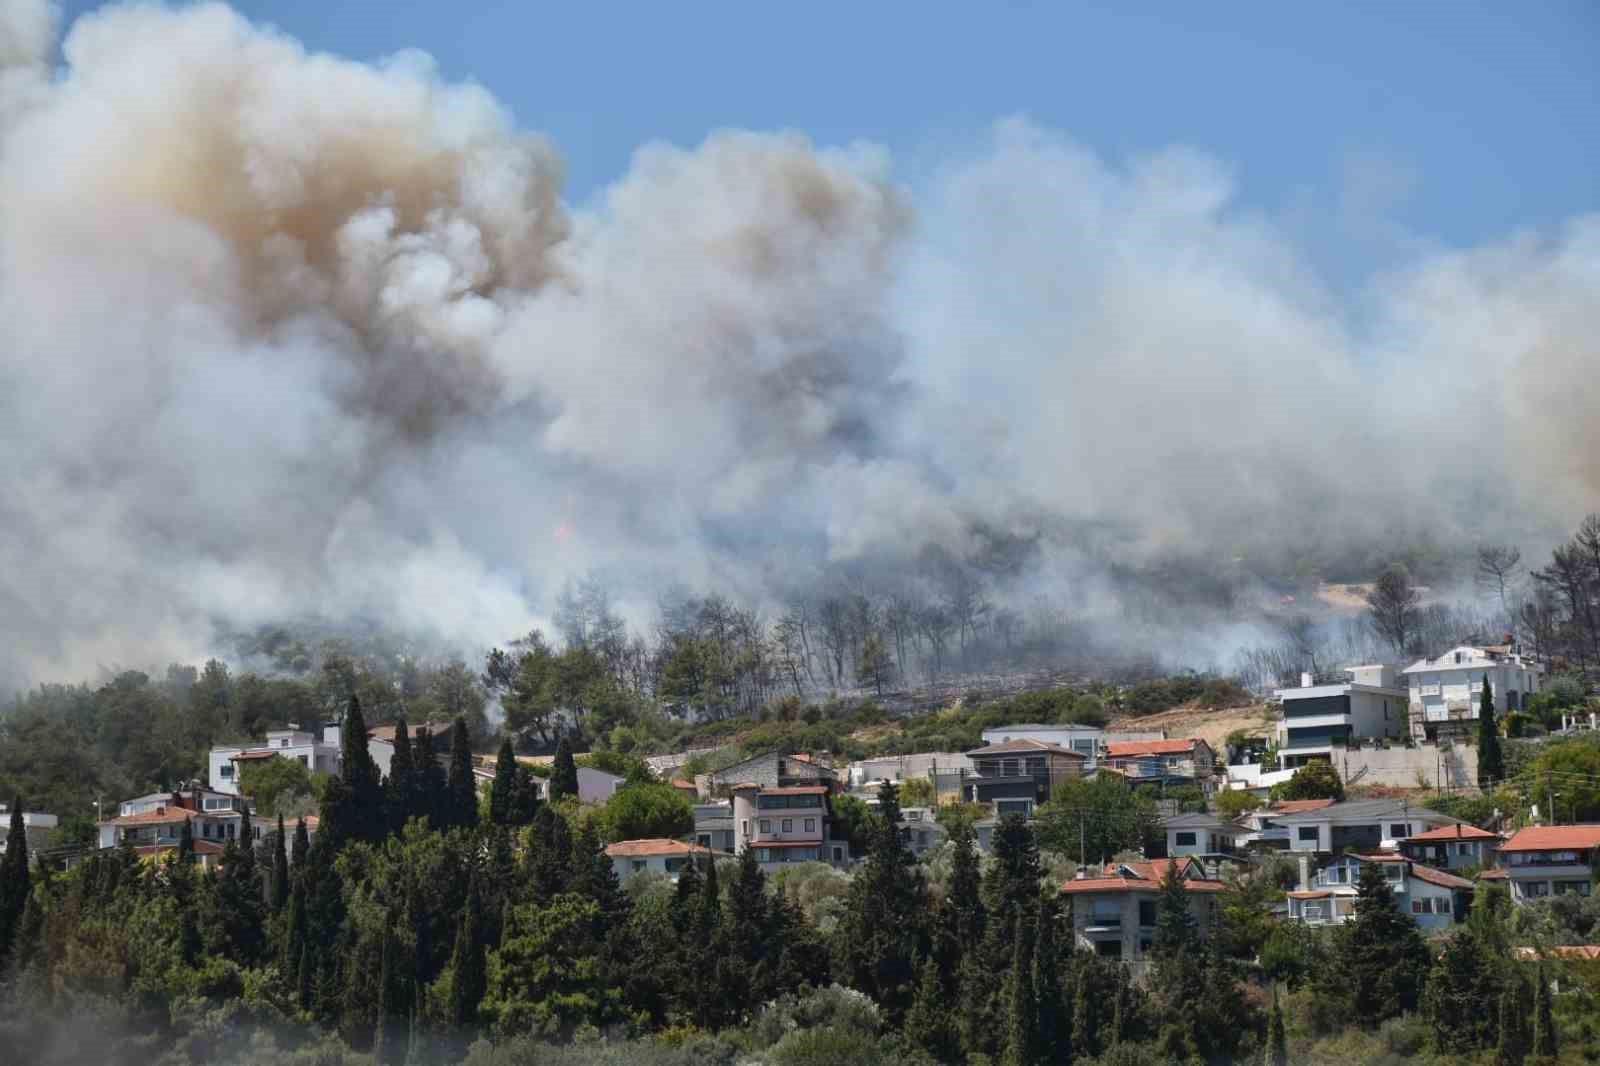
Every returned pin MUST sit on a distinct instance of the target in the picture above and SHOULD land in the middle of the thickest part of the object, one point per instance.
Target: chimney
(1305, 873)
(1305, 679)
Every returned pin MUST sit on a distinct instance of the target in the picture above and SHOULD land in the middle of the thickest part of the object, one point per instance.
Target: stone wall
(1400, 767)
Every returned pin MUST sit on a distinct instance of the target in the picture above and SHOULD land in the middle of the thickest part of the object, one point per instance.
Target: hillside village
(1360, 808)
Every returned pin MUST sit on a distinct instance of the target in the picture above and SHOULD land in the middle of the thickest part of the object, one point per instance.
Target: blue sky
(1461, 121)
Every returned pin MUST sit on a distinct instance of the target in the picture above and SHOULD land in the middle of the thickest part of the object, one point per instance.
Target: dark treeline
(425, 925)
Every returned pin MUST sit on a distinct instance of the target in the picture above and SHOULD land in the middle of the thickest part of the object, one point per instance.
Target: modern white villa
(1319, 719)
(1445, 691)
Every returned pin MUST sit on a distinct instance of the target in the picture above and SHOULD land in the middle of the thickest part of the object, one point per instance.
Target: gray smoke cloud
(283, 334)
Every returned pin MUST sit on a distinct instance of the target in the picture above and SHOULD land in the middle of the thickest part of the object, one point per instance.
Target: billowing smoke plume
(282, 334)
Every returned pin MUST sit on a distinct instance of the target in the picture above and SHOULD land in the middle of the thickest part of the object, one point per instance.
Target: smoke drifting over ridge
(284, 334)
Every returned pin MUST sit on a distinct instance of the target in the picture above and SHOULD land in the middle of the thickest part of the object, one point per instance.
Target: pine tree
(463, 786)
(1020, 1017)
(400, 790)
(467, 962)
(1491, 760)
(1383, 960)
(502, 794)
(1175, 925)
(1050, 1025)
(1544, 1023)
(1277, 1037)
(234, 925)
(15, 881)
(280, 869)
(564, 773)
(549, 856)
(930, 1023)
(881, 934)
(961, 914)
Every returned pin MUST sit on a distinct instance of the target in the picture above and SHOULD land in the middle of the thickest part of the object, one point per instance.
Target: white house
(1360, 825)
(920, 830)
(1114, 909)
(317, 754)
(153, 823)
(1445, 690)
(927, 765)
(656, 855)
(1317, 719)
(1201, 834)
(1086, 740)
(1434, 899)
(36, 828)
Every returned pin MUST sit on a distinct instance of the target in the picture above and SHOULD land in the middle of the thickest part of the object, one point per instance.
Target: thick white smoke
(282, 334)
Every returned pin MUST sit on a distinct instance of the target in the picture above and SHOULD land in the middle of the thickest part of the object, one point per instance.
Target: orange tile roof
(1147, 878)
(166, 817)
(1134, 748)
(678, 782)
(1455, 832)
(1317, 894)
(654, 847)
(794, 790)
(1554, 838)
(1298, 806)
(1498, 873)
(259, 753)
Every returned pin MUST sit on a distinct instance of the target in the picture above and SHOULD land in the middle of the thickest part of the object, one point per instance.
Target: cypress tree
(1020, 1018)
(302, 844)
(463, 786)
(429, 797)
(1085, 1022)
(930, 1023)
(235, 928)
(352, 804)
(1277, 1037)
(564, 773)
(1544, 1023)
(525, 798)
(962, 914)
(294, 932)
(383, 1043)
(400, 789)
(186, 842)
(502, 794)
(1491, 760)
(280, 868)
(1051, 1026)
(15, 880)
(1512, 1047)
(467, 962)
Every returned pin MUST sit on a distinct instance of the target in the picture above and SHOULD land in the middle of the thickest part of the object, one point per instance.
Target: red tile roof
(678, 782)
(1554, 838)
(1438, 877)
(1024, 747)
(1317, 894)
(1455, 832)
(795, 790)
(1134, 748)
(1496, 874)
(1298, 806)
(167, 817)
(259, 753)
(654, 847)
(1147, 877)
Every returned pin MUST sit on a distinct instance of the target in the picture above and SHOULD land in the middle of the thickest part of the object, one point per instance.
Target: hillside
(1210, 725)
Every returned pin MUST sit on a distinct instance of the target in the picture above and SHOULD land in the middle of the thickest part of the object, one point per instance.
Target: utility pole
(1550, 798)
(1080, 838)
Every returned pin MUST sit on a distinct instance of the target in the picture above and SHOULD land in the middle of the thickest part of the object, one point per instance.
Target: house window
(1008, 768)
(1535, 889)
(788, 825)
(1422, 906)
(1106, 912)
(1147, 912)
(763, 855)
(1108, 949)
(765, 826)
(1308, 833)
(1022, 807)
(1441, 905)
(1394, 871)
(811, 825)
(638, 864)
(1580, 888)
(1036, 765)
(1399, 830)
(225, 771)
(1184, 840)
(744, 828)
(704, 840)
